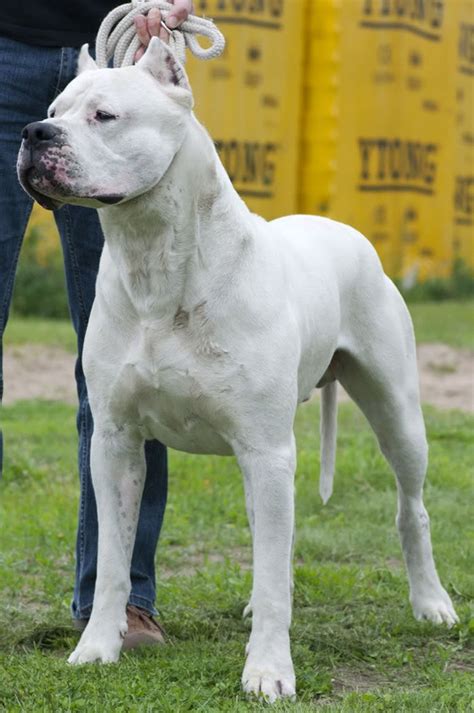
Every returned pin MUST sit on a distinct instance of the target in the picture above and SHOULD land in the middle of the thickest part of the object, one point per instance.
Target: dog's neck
(190, 229)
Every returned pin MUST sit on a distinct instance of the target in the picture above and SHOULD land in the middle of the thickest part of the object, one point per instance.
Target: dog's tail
(328, 430)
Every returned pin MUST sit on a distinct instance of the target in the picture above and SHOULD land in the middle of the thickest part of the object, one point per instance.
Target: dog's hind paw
(437, 608)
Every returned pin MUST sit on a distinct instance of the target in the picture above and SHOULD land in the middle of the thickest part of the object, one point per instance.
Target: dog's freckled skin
(181, 319)
(209, 326)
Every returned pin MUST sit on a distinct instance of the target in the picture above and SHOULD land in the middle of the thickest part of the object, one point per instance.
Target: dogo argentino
(210, 325)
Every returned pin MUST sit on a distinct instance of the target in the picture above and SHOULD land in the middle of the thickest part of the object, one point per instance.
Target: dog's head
(111, 135)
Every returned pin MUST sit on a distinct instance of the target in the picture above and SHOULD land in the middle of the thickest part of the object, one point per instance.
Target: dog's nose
(39, 131)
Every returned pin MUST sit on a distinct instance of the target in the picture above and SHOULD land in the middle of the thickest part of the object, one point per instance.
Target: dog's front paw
(269, 674)
(88, 653)
(436, 607)
(98, 645)
(269, 683)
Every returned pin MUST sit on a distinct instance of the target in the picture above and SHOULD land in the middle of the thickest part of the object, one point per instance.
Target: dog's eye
(104, 116)
(52, 113)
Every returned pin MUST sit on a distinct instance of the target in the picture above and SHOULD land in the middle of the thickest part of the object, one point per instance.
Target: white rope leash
(117, 36)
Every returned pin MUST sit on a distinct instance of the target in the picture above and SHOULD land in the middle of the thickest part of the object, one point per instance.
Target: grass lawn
(53, 332)
(356, 645)
(451, 322)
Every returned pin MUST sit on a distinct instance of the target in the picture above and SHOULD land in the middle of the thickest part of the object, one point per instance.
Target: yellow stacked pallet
(250, 98)
(392, 128)
(320, 113)
(463, 191)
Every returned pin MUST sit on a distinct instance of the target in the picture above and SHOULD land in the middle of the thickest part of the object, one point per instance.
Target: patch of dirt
(34, 371)
(191, 561)
(39, 372)
(462, 666)
(446, 376)
(347, 680)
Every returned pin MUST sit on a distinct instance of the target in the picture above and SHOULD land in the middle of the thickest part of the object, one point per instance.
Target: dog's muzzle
(48, 171)
(39, 138)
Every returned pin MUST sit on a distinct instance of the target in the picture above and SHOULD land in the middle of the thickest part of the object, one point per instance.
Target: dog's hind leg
(269, 668)
(381, 377)
(118, 476)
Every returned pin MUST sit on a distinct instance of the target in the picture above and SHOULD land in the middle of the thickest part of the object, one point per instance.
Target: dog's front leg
(118, 475)
(269, 668)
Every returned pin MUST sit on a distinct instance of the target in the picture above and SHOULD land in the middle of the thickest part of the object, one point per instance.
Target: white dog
(209, 327)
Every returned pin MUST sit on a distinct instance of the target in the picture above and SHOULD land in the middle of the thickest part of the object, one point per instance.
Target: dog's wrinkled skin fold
(209, 326)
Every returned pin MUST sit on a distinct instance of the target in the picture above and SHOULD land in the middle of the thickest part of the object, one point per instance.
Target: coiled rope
(117, 37)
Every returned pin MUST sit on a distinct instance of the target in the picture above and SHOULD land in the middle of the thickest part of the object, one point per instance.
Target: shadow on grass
(49, 638)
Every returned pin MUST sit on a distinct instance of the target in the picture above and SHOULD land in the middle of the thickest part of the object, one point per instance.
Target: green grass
(356, 645)
(34, 330)
(450, 322)
(352, 626)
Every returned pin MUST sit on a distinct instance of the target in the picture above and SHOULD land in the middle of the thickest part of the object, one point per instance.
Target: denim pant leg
(23, 97)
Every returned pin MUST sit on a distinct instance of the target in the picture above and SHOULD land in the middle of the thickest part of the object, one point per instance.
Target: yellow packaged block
(250, 98)
(391, 123)
(463, 179)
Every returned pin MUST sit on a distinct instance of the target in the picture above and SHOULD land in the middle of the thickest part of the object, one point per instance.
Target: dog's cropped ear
(85, 61)
(160, 61)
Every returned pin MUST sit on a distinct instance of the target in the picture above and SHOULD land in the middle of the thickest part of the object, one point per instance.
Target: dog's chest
(173, 384)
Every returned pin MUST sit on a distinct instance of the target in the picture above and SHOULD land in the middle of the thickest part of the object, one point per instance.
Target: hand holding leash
(117, 37)
(152, 25)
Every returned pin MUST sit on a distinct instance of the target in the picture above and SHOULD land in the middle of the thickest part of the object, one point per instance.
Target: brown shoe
(143, 630)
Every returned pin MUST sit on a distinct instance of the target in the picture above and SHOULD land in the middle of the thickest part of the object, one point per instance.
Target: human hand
(148, 26)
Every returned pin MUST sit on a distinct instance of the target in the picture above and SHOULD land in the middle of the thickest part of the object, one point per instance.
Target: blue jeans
(30, 79)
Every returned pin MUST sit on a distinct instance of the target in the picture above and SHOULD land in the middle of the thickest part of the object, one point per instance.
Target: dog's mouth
(50, 194)
(27, 174)
(38, 179)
